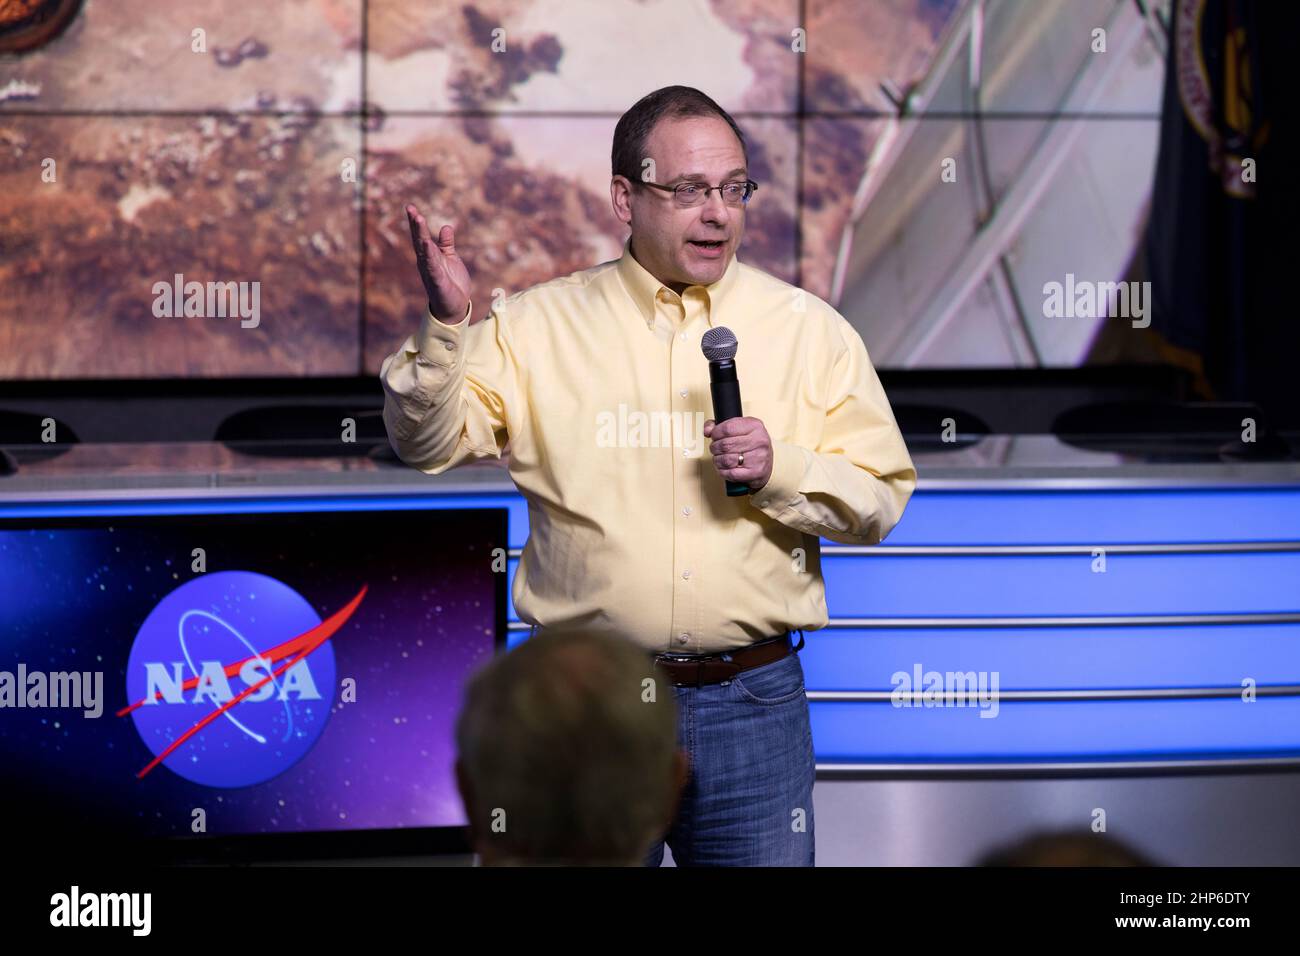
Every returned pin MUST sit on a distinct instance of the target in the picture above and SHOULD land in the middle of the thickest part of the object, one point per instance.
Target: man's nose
(715, 209)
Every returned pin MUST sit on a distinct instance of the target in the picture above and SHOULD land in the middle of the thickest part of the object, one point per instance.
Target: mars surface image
(278, 143)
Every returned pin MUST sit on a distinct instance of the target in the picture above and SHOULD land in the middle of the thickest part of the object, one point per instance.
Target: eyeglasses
(694, 193)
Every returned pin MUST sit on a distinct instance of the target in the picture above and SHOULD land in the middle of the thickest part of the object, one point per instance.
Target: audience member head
(1065, 848)
(567, 753)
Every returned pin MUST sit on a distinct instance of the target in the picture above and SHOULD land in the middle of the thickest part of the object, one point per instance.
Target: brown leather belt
(685, 670)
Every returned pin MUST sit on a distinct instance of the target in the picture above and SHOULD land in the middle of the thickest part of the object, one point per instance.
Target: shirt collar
(643, 287)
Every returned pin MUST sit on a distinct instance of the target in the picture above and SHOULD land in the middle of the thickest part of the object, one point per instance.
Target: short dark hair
(635, 125)
(1065, 848)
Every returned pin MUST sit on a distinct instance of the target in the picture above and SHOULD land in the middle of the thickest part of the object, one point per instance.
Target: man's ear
(620, 197)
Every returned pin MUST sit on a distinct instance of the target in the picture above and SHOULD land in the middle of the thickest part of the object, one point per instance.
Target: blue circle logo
(231, 678)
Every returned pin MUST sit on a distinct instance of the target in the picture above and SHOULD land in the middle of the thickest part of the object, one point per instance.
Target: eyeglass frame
(707, 190)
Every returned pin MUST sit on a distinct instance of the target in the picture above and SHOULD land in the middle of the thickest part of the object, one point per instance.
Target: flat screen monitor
(218, 685)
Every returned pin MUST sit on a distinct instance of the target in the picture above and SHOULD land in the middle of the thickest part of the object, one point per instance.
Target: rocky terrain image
(276, 144)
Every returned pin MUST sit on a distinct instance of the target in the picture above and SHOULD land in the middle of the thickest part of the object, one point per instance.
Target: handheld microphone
(719, 346)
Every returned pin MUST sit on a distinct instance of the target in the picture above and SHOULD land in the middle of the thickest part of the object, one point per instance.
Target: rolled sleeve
(789, 464)
(437, 341)
(447, 392)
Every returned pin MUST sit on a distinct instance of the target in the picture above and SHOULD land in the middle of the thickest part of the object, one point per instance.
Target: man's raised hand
(445, 278)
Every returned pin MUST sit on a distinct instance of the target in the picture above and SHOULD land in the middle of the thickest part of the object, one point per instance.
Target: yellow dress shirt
(598, 382)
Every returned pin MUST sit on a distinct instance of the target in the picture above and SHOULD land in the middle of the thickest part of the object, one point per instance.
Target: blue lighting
(1025, 658)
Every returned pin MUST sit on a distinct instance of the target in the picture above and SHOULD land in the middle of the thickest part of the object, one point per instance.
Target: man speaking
(632, 530)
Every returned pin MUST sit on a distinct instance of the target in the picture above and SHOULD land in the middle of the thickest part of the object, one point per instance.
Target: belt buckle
(679, 658)
(697, 659)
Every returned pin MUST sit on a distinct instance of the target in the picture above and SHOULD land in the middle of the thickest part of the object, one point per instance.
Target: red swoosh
(299, 647)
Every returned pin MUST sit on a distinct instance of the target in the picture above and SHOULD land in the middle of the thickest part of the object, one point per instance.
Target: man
(632, 532)
(567, 754)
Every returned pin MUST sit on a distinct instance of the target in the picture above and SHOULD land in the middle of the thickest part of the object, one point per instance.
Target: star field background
(76, 591)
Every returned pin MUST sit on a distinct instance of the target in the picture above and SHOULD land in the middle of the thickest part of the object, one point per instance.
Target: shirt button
(683, 638)
(450, 345)
(686, 573)
(763, 503)
(682, 393)
(685, 452)
(687, 511)
(684, 336)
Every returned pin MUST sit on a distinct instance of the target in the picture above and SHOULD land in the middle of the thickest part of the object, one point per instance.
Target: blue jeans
(748, 798)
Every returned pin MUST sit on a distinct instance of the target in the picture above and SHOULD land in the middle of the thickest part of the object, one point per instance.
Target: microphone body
(726, 404)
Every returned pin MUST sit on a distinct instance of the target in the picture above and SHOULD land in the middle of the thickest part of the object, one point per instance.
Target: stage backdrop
(270, 148)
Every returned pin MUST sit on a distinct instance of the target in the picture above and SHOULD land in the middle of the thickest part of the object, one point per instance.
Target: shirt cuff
(437, 341)
(782, 488)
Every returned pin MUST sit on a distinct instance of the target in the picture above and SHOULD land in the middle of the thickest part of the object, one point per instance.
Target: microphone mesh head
(719, 343)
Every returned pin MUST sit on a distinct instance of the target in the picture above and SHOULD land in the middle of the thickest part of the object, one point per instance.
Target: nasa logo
(231, 677)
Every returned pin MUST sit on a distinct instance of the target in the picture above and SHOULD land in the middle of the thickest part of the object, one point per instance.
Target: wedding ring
(741, 462)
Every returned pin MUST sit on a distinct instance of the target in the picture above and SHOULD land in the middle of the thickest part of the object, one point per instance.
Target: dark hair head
(560, 731)
(1065, 848)
(634, 126)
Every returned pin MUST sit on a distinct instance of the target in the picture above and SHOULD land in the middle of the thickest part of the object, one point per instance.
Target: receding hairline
(634, 127)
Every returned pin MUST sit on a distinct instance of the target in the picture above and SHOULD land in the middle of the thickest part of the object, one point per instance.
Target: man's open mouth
(703, 244)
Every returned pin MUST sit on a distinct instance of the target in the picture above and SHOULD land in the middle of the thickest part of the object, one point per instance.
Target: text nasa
(213, 685)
